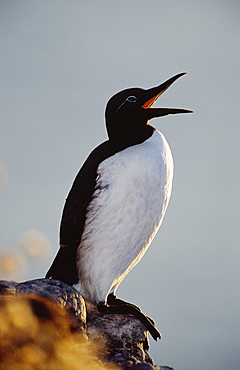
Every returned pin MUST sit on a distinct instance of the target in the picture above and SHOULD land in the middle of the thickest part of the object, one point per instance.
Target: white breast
(130, 199)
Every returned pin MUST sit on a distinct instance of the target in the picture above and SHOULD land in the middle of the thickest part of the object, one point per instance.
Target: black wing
(74, 213)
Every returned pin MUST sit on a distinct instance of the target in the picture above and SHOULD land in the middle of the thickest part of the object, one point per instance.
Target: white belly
(131, 196)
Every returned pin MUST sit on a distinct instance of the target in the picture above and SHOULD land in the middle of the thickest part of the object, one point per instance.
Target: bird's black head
(128, 112)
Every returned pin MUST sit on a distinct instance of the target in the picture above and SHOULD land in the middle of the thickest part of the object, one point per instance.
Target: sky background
(60, 62)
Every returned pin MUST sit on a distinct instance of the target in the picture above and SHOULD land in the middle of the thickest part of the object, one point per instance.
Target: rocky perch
(123, 338)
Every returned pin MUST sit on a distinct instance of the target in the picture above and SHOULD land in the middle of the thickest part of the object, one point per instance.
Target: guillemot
(117, 202)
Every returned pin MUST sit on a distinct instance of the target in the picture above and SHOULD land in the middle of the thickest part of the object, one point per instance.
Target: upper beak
(154, 93)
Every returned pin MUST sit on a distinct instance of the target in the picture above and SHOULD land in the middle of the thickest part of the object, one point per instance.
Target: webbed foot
(118, 306)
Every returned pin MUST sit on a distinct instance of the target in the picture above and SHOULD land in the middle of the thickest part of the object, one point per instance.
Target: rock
(123, 336)
(7, 287)
(59, 293)
(123, 339)
(118, 331)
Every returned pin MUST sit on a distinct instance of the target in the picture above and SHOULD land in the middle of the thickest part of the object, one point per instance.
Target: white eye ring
(131, 99)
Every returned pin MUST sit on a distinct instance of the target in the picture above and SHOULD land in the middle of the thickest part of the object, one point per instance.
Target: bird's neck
(131, 134)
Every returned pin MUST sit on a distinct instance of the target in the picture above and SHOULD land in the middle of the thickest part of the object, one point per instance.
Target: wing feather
(74, 213)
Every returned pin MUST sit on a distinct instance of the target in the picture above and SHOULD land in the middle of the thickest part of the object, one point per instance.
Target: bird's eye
(131, 99)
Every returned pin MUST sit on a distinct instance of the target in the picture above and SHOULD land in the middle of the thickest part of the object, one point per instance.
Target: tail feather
(64, 265)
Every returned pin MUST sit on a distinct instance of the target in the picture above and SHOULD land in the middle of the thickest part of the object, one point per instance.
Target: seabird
(117, 202)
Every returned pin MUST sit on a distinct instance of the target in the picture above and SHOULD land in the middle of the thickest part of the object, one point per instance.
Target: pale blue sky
(60, 63)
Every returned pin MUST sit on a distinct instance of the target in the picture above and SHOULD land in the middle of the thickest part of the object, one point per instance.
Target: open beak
(153, 94)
